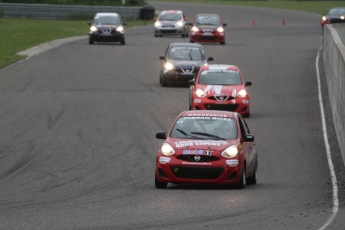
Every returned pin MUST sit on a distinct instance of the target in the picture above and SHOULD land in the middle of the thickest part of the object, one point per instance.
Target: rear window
(220, 77)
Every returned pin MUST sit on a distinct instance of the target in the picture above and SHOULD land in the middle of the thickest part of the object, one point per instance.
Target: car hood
(208, 27)
(187, 62)
(221, 90)
(197, 144)
(106, 26)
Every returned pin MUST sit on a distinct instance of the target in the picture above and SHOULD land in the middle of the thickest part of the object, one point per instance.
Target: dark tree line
(79, 2)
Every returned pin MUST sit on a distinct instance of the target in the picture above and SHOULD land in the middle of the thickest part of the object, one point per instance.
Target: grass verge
(18, 34)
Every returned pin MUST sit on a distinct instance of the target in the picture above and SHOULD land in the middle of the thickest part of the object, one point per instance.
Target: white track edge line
(335, 205)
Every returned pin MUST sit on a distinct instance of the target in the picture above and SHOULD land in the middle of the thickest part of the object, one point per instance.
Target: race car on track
(181, 63)
(207, 28)
(208, 147)
(334, 15)
(220, 87)
(107, 27)
(171, 22)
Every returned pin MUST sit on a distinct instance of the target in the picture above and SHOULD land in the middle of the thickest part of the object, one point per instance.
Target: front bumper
(223, 171)
(175, 76)
(169, 31)
(99, 37)
(199, 37)
(239, 105)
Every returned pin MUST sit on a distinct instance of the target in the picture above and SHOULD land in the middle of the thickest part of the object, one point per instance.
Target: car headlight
(169, 66)
(158, 23)
(324, 18)
(120, 29)
(220, 29)
(230, 152)
(342, 17)
(167, 150)
(195, 29)
(179, 23)
(93, 28)
(242, 93)
(200, 93)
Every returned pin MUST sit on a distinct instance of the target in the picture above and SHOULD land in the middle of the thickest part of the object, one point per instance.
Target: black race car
(107, 27)
(181, 63)
(334, 15)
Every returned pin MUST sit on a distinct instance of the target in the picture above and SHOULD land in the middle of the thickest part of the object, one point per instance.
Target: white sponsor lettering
(164, 160)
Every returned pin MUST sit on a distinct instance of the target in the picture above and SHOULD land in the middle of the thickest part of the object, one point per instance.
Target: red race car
(207, 28)
(208, 147)
(220, 87)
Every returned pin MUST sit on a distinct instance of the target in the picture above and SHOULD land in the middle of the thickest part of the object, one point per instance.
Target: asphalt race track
(78, 125)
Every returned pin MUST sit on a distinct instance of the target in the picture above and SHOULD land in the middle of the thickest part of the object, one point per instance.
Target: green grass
(19, 34)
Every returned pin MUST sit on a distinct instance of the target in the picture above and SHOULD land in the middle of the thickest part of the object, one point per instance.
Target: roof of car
(208, 113)
(186, 44)
(171, 12)
(220, 67)
(217, 15)
(107, 13)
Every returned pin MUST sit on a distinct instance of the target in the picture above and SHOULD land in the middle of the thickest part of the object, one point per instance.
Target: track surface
(78, 124)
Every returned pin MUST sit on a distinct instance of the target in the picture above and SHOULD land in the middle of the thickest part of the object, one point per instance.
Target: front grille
(196, 172)
(168, 31)
(203, 158)
(337, 20)
(208, 38)
(219, 98)
(224, 107)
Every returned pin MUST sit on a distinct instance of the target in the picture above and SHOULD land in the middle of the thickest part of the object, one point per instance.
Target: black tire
(159, 184)
(123, 42)
(164, 83)
(160, 80)
(182, 35)
(91, 41)
(191, 41)
(253, 178)
(222, 43)
(156, 35)
(246, 115)
(242, 182)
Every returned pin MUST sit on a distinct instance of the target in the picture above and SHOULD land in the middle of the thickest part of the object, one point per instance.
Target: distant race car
(208, 147)
(171, 22)
(335, 15)
(181, 63)
(207, 28)
(107, 27)
(220, 87)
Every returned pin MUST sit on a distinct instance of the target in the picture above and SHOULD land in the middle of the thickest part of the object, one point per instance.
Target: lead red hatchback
(212, 147)
(220, 87)
(207, 28)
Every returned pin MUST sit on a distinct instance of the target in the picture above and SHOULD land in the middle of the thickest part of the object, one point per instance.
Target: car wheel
(123, 42)
(191, 41)
(253, 178)
(246, 115)
(90, 41)
(182, 35)
(242, 182)
(159, 184)
(160, 80)
(156, 35)
(222, 43)
(164, 82)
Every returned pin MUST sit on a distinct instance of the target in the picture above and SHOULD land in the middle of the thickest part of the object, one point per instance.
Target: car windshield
(337, 11)
(207, 20)
(170, 17)
(107, 20)
(186, 53)
(220, 77)
(215, 128)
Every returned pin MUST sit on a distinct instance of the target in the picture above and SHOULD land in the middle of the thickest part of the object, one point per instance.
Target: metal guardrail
(45, 11)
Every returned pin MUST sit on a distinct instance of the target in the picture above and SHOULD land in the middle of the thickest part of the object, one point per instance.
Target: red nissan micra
(208, 147)
(207, 28)
(220, 87)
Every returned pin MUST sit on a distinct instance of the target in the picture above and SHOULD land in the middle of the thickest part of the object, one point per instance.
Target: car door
(248, 147)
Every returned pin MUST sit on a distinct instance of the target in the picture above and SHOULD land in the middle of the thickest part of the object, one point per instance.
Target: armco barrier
(334, 61)
(45, 11)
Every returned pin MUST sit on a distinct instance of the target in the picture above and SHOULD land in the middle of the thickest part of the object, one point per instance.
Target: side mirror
(210, 59)
(224, 24)
(249, 138)
(154, 19)
(161, 58)
(161, 135)
(89, 23)
(191, 23)
(191, 82)
(124, 23)
(248, 83)
(186, 19)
